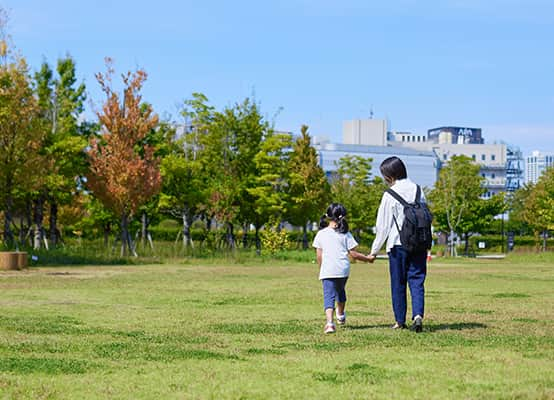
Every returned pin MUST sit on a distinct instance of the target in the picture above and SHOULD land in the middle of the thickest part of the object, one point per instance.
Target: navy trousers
(411, 269)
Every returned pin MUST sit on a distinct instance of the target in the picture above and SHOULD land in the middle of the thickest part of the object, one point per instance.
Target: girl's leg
(397, 267)
(329, 295)
(340, 287)
(329, 314)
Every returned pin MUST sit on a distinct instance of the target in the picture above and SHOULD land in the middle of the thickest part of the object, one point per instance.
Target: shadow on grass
(364, 327)
(457, 326)
(428, 327)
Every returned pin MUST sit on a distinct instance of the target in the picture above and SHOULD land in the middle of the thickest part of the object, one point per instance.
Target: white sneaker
(329, 328)
(341, 319)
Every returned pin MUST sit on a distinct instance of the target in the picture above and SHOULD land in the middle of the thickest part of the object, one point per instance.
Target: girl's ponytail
(342, 225)
(335, 212)
(323, 221)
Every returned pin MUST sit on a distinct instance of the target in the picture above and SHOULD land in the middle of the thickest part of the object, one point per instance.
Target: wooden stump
(22, 259)
(9, 259)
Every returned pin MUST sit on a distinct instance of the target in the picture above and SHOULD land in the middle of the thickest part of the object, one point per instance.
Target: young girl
(333, 245)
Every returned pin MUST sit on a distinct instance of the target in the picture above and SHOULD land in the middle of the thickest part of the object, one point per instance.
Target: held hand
(371, 257)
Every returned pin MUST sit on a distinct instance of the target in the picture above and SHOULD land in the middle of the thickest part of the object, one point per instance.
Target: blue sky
(420, 64)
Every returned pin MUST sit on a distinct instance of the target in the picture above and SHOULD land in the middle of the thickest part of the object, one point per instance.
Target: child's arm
(359, 256)
(319, 256)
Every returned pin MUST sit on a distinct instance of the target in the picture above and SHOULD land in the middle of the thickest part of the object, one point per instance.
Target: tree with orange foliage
(124, 173)
(20, 132)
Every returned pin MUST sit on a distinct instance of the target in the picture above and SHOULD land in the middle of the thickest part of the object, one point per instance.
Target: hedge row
(497, 241)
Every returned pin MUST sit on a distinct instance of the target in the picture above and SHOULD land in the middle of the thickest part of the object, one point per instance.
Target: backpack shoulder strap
(418, 194)
(397, 197)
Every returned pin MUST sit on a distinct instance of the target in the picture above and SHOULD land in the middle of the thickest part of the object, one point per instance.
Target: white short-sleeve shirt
(335, 246)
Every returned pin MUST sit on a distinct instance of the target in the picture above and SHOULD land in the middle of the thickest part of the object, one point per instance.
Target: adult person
(405, 267)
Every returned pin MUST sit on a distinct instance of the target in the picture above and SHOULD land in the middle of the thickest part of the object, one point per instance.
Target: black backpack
(415, 234)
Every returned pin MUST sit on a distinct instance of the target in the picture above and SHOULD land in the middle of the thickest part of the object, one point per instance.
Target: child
(333, 244)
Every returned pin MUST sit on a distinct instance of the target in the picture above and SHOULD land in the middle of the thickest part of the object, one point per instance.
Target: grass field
(254, 331)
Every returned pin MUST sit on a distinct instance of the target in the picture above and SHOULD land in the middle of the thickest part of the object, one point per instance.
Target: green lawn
(254, 331)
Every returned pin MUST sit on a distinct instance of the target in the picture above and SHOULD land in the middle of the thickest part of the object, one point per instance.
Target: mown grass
(204, 329)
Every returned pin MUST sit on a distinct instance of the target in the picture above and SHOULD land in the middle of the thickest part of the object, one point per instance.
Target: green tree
(227, 156)
(521, 215)
(309, 189)
(61, 103)
(21, 135)
(456, 194)
(184, 184)
(534, 205)
(353, 187)
(270, 190)
(480, 216)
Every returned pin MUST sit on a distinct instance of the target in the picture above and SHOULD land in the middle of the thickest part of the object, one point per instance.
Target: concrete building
(450, 141)
(490, 157)
(455, 135)
(369, 132)
(536, 164)
(422, 166)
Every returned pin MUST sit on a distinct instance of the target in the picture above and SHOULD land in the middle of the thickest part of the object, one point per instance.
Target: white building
(369, 132)
(491, 157)
(422, 166)
(536, 164)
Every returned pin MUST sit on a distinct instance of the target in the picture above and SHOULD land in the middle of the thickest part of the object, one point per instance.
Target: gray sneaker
(417, 327)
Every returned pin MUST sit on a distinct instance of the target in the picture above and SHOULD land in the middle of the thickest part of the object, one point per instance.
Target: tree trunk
(53, 223)
(187, 222)
(245, 236)
(544, 233)
(124, 234)
(107, 230)
(230, 235)
(8, 234)
(29, 217)
(258, 242)
(38, 218)
(144, 230)
(304, 236)
(452, 245)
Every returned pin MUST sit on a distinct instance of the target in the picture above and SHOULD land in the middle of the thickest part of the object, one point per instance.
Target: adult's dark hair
(335, 212)
(393, 168)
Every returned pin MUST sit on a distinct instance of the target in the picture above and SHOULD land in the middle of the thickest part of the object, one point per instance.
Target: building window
(424, 138)
(403, 138)
(493, 157)
(483, 157)
(445, 156)
(418, 138)
(493, 176)
(473, 157)
(483, 175)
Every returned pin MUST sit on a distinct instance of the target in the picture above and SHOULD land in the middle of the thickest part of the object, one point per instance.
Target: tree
(534, 205)
(228, 150)
(270, 190)
(309, 190)
(20, 132)
(67, 142)
(184, 185)
(124, 173)
(480, 216)
(352, 187)
(521, 214)
(456, 193)
(60, 104)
